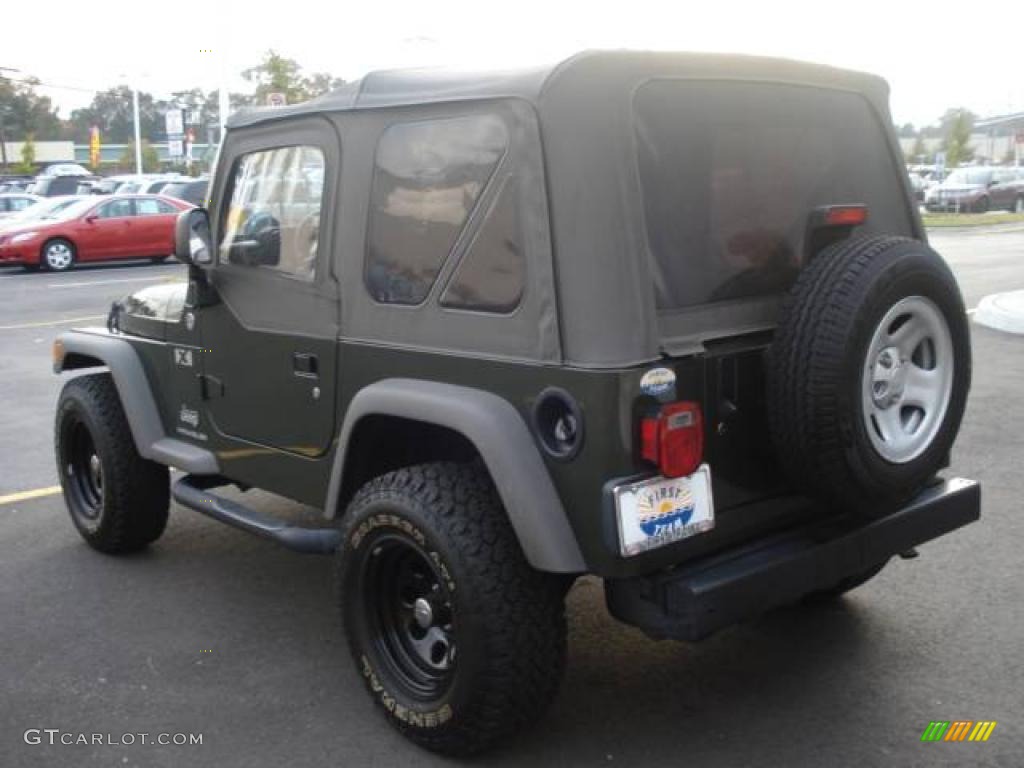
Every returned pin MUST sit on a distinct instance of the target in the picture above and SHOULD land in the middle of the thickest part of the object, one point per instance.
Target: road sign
(276, 99)
(174, 122)
(175, 148)
(193, 117)
(940, 162)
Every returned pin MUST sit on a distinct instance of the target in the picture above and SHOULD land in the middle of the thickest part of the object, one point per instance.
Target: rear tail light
(845, 215)
(674, 438)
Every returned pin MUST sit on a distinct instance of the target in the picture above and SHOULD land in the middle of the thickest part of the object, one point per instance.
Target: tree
(918, 151)
(277, 74)
(111, 110)
(906, 131)
(321, 82)
(957, 125)
(27, 165)
(150, 158)
(23, 111)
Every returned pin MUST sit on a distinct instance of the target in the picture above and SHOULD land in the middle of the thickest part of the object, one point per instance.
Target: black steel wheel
(459, 641)
(117, 500)
(411, 614)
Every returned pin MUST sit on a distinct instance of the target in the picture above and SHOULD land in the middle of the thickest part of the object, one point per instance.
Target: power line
(34, 81)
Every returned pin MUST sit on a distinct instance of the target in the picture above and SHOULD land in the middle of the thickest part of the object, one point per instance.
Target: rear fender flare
(504, 443)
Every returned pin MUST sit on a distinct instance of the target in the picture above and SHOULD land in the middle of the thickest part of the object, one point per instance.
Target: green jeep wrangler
(667, 319)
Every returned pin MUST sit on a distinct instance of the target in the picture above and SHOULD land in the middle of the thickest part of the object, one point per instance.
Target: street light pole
(138, 130)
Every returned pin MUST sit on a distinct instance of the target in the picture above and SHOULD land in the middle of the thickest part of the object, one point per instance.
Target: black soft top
(585, 113)
(409, 87)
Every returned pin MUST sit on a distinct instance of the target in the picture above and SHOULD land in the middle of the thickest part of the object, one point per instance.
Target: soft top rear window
(730, 170)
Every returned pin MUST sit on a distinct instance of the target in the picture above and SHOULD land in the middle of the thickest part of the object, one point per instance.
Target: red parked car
(96, 229)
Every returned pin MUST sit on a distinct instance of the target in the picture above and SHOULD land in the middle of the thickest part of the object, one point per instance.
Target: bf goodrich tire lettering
(481, 648)
(845, 417)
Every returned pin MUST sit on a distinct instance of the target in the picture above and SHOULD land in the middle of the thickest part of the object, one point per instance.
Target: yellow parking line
(35, 493)
(50, 322)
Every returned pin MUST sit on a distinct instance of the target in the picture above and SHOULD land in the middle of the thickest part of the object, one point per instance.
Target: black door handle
(306, 364)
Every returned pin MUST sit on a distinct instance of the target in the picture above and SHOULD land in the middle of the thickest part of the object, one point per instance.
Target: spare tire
(868, 373)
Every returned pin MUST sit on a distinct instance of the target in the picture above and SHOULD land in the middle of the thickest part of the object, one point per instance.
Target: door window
(152, 207)
(115, 209)
(273, 219)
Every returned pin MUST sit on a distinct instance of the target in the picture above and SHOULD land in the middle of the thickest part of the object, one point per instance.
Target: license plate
(659, 511)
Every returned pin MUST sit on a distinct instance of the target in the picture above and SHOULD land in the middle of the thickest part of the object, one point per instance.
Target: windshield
(969, 176)
(43, 208)
(68, 209)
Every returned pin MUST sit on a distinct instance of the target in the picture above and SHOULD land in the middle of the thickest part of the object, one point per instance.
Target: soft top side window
(428, 177)
(273, 219)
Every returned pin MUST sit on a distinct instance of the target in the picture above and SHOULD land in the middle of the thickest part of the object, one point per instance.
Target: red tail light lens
(674, 439)
(846, 215)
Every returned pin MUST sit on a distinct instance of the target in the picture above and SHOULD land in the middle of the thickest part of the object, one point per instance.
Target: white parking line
(110, 282)
(45, 323)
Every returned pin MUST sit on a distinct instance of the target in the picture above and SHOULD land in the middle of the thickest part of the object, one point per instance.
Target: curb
(1002, 311)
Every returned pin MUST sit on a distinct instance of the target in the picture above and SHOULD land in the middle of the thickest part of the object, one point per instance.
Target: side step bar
(699, 598)
(192, 491)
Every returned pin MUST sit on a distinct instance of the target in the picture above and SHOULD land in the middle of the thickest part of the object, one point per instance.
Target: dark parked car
(194, 191)
(52, 186)
(1016, 186)
(974, 189)
(94, 229)
(667, 319)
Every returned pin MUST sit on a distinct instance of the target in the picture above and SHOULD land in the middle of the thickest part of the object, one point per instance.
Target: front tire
(118, 500)
(459, 641)
(58, 255)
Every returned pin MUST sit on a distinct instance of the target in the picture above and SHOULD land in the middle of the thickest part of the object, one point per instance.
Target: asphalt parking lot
(218, 633)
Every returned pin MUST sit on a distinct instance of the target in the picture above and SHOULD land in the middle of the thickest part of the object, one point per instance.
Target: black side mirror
(193, 243)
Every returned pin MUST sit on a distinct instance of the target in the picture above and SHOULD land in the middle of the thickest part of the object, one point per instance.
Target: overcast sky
(934, 55)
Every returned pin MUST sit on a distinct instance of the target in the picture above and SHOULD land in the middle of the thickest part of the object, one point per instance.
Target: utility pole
(138, 130)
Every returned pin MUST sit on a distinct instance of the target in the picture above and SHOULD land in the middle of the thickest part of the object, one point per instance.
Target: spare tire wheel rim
(907, 379)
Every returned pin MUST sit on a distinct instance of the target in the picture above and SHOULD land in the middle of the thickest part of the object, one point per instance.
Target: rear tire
(118, 500)
(459, 641)
(982, 205)
(869, 372)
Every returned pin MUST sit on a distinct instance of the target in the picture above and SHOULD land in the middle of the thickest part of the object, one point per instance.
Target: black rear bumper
(696, 599)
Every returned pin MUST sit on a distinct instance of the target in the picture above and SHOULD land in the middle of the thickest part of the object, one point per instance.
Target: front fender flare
(89, 348)
(498, 432)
